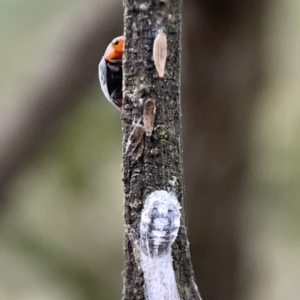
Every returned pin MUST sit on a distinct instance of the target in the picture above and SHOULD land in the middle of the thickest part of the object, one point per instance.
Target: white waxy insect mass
(160, 221)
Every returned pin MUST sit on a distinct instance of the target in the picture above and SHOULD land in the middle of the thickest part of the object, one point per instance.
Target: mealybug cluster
(160, 221)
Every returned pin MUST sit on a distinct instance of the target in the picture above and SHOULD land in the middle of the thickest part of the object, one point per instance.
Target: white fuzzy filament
(160, 222)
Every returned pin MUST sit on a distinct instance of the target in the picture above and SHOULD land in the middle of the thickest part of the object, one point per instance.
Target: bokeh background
(61, 226)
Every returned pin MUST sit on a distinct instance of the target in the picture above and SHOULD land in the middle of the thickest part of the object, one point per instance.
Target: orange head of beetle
(115, 49)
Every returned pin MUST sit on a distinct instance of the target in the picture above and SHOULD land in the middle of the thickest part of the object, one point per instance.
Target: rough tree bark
(159, 167)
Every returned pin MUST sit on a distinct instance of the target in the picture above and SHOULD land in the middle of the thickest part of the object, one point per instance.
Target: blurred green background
(61, 225)
(61, 232)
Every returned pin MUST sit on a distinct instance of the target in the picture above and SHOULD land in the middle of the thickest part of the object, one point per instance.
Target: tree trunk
(222, 74)
(152, 162)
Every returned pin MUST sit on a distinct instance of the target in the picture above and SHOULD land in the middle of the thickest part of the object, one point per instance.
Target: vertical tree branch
(152, 162)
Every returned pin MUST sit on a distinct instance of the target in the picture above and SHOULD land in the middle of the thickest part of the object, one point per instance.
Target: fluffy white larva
(160, 221)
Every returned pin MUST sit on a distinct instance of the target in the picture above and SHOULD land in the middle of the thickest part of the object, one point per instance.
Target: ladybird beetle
(110, 71)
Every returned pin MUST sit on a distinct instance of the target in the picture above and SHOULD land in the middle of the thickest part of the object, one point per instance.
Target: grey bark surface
(160, 165)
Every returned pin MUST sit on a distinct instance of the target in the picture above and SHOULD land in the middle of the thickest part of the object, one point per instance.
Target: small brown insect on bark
(149, 115)
(134, 146)
(138, 151)
(160, 52)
